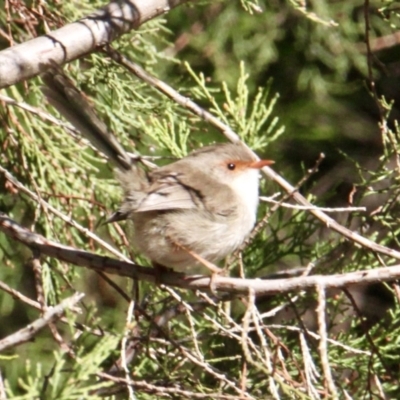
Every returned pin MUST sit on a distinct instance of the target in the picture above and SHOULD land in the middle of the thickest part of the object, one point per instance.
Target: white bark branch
(74, 40)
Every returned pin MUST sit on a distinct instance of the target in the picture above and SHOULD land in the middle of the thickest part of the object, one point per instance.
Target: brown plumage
(205, 203)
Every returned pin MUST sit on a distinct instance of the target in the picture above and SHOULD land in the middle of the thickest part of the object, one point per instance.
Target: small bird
(186, 215)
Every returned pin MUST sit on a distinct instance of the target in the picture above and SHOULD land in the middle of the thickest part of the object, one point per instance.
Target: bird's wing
(180, 186)
(167, 192)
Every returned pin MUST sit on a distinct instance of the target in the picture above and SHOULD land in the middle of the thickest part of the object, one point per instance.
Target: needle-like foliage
(293, 80)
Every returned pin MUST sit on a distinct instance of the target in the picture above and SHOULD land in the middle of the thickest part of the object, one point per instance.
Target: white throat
(246, 188)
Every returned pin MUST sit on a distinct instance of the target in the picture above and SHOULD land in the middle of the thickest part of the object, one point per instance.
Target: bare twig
(380, 43)
(309, 367)
(316, 336)
(74, 256)
(162, 391)
(267, 359)
(19, 296)
(36, 266)
(261, 224)
(379, 387)
(323, 343)
(40, 113)
(305, 208)
(35, 304)
(37, 271)
(124, 342)
(51, 314)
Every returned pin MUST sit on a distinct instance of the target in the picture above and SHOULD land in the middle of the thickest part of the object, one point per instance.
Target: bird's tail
(75, 107)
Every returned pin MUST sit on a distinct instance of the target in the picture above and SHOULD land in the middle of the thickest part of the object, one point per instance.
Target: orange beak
(260, 163)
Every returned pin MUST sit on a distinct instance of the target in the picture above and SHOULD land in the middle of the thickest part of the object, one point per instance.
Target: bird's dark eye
(231, 166)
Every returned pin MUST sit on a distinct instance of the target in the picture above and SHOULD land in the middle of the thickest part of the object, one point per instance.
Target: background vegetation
(294, 80)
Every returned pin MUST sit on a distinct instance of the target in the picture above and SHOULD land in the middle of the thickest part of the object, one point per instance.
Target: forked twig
(52, 313)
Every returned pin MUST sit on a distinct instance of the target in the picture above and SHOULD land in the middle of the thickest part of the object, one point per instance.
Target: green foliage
(249, 123)
(248, 63)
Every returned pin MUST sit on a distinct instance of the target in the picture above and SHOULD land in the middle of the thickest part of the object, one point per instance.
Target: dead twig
(51, 314)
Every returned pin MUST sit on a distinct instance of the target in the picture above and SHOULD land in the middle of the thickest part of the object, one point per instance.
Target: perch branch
(234, 286)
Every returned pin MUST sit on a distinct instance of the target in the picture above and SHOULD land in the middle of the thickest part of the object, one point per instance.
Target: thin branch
(379, 387)
(170, 92)
(72, 255)
(162, 391)
(40, 113)
(36, 266)
(19, 296)
(124, 345)
(305, 208)
(35, 304)
(379, 43)
(267, 359)
(261, 224)
(318, 337)
(323, 343)
(51, 314)
(310, 370)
